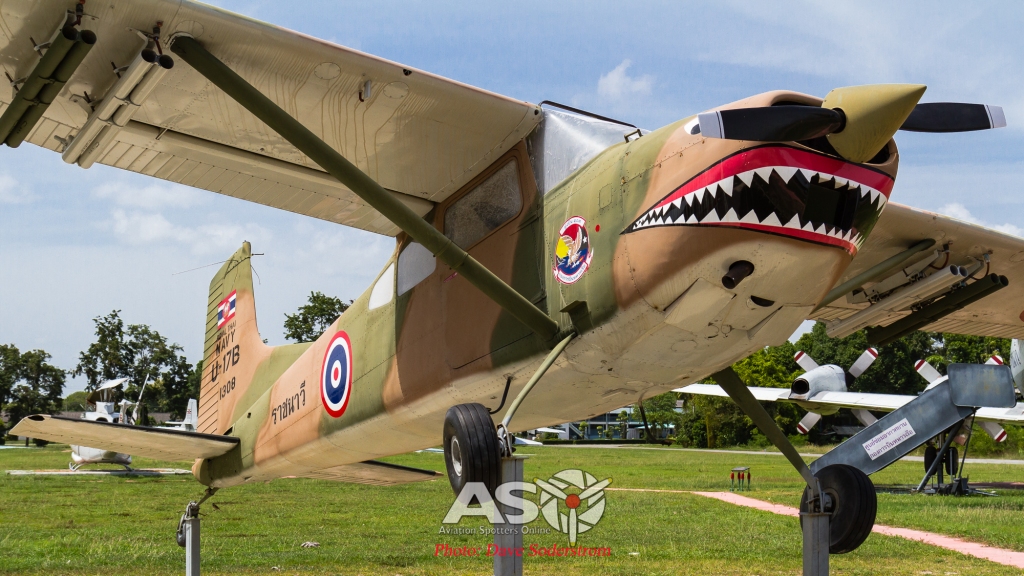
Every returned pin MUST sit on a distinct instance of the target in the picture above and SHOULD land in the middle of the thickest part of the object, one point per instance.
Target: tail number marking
(227, 388)
(225, 362)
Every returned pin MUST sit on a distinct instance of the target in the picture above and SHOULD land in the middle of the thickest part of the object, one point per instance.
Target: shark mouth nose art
(779, 190)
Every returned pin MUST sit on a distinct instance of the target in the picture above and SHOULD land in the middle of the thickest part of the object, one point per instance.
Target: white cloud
(12, 192)
(147, 227)
(960, 212)
(618, 84)
(151, 197)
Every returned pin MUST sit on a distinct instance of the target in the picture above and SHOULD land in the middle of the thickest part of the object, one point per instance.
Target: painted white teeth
(764, 173)
(726, 185)
(786, 172)
(840, 182)
(730, 216)
(750, 218)
(771, 220)
(808, 174)
(746, 177)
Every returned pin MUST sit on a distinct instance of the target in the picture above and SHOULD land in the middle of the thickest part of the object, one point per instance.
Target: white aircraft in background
(103, 399)
(823, 390)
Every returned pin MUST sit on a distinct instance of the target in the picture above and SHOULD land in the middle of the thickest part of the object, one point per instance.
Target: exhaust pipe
(40, 77)
(737, 272)
(937, 310)
(110, 103)
(897, 301)
(79, 50)
(129, 106)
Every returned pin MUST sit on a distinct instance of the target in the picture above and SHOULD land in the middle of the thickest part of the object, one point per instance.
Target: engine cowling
(827, 378)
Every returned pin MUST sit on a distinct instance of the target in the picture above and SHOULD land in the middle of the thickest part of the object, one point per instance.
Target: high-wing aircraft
(822, 390)
(573, 261)
(103, 399)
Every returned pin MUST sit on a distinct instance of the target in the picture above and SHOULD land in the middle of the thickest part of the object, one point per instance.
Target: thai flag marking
(226, 310)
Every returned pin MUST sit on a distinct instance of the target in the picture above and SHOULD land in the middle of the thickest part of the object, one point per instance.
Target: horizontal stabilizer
(158, 443)
(372, 472)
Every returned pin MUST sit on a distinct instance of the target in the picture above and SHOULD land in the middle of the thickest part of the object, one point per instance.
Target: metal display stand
(508, 538)
(816, 539)
(189, 528)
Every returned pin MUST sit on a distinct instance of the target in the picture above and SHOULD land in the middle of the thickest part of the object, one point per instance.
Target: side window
(414, 264)
(384, 290)
(494, 202)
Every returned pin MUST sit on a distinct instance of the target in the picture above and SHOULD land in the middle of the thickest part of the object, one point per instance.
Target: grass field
(116, 525)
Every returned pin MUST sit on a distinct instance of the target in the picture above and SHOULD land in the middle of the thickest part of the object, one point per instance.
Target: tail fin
(233, 347)
(191, 420)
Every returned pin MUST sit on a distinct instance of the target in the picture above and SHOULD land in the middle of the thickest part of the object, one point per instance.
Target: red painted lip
(780, 190)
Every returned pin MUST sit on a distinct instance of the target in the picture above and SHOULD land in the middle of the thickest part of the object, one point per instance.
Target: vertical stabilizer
(1017, 365)
(233, 348)
(191, 420)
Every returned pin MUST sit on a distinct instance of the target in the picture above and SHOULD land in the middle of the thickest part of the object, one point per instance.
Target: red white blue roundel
(572, 251)
(336, 375)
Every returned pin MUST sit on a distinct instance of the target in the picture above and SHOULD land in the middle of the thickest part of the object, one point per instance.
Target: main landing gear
(471, 450)
(851, 504)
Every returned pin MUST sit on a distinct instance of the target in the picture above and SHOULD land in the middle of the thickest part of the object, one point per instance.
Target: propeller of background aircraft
(829, 378)
(857, 120)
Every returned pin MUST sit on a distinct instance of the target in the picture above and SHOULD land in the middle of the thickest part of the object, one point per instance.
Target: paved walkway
(767, 453)
(997, 555)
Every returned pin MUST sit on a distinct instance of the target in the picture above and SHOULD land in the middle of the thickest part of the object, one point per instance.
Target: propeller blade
(927, 371)
(771, 124)
(808, 422)
(953, 117)
(864, 362)
(994, 430)
(866, 418)
(805, 361)
(995, 359)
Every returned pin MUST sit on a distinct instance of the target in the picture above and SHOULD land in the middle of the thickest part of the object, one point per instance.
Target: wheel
(471, 452)
(852, 508)
(952, 461)
(929, 457)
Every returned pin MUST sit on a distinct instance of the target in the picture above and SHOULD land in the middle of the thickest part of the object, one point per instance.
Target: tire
(853, 506)
(930, 453)
(952, 462)
(471, 452)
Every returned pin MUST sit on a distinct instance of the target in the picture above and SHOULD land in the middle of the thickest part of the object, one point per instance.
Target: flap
(158, 443)
(1000, 315)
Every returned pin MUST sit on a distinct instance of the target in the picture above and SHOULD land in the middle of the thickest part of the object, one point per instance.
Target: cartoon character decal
(572, 251)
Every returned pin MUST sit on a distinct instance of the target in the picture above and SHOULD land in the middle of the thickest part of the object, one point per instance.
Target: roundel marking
(336, 375)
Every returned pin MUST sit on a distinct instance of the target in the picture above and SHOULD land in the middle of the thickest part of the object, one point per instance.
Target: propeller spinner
(805, 385)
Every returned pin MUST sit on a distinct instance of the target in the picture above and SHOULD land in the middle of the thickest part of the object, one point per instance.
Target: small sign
(889, 439)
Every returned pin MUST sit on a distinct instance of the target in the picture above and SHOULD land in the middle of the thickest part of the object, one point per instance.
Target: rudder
(233, 347)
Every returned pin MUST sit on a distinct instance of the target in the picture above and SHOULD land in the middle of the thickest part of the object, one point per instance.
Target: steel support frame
(245, 94)
(508, 538)
(815, 523)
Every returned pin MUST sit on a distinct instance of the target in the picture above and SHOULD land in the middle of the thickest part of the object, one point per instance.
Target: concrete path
(768, 453)
(67, 472)
(990, 553)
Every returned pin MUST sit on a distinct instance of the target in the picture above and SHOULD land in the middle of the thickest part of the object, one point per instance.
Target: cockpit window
(495, 201)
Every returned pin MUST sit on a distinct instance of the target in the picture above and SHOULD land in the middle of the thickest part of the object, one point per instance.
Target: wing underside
(158, 443)
(975, 247)
(419, 135)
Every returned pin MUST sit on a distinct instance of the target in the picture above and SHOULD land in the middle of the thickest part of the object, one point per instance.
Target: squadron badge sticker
(572, 251)
(336, 375)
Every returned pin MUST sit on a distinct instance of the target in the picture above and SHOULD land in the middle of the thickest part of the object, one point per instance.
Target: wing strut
(363, 186)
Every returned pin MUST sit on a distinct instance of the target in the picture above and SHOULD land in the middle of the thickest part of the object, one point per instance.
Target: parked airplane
(823, 390)
(531, 241)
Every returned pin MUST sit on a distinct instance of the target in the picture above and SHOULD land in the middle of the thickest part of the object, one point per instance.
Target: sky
(76, 244)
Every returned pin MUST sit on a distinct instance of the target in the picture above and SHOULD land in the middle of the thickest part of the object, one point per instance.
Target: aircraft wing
(1000, 315)
(868, 401)
(159, 443)
(855, 400)
(762, 394)
(417, 134)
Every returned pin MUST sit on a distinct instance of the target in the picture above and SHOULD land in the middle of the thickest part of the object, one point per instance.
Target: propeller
(859, 366)
(857, 120)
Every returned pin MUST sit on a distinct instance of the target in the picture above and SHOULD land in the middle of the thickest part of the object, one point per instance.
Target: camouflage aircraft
(573, 262)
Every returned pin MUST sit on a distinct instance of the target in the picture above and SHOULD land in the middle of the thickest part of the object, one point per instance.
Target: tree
(314, 318)
(661, 412)
(38, 388)
(75, 402)
(10, 370)
(139, 353)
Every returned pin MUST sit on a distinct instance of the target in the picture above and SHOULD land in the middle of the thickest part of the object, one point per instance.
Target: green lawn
(104, 525)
